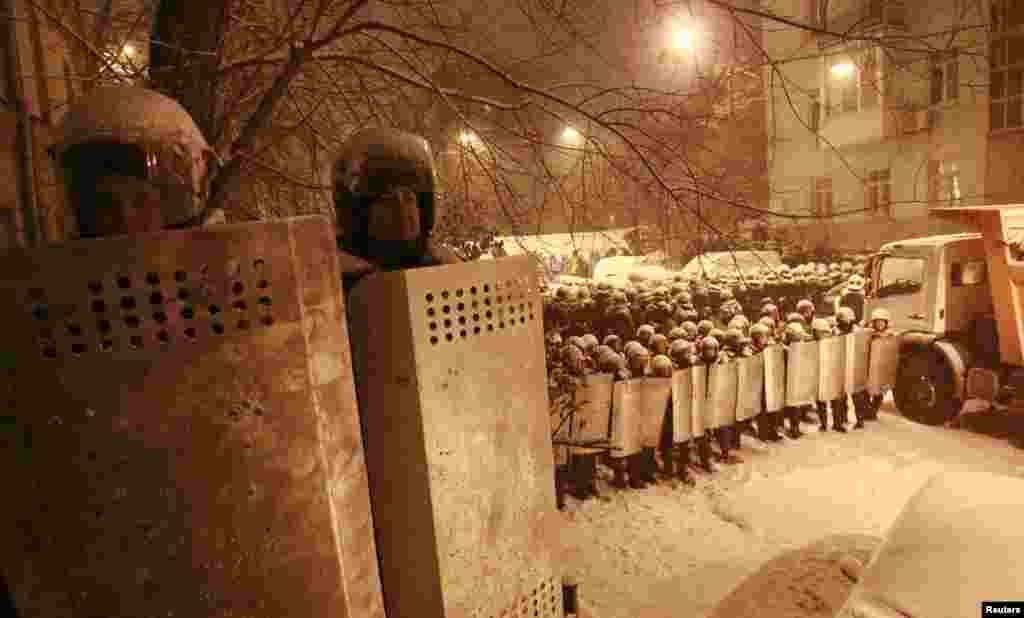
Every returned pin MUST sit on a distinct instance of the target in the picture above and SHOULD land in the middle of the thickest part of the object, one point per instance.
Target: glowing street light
(129, 50)
(842, 69)
(468, 138)
(571, 135)
(682, 40)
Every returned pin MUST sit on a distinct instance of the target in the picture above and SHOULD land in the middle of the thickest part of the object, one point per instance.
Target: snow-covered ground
(672, 550)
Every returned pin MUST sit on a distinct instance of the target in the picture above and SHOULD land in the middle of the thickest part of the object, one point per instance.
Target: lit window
(1006, 64)
(852, 83)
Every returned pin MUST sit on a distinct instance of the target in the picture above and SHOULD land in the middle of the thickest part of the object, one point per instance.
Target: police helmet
(661, 366)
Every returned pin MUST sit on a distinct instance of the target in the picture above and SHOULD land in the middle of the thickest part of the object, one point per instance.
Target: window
(1006, 63)
(821, 197)
(967, 273)
(945, 77)
(851, 82)
(944, 183)
(878, 193)
(900, 275)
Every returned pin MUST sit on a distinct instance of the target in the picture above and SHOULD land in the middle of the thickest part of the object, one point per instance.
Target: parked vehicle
(730, 263)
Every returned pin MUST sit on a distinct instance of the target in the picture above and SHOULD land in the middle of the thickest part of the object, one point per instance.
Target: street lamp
(571, 135)
(842, 69)
(682, 40)
(468, 138)
(129, 50)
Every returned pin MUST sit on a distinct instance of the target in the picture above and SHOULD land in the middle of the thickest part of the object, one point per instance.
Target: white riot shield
(682, 406)
(590, 421)
(698, 414)
(832, 373)
(751, 387)
(883, 363)
(626, 417)
(802, 367)
(655, 394)
(774, 378)
(723, 382)
(858, 354)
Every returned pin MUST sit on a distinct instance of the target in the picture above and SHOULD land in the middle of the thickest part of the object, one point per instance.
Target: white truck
(955, 301)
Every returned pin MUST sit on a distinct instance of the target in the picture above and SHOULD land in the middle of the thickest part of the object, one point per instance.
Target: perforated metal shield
(698, 413)
(682, 406)
(591, 418)
(802, 370)
(832, 372)
(858, 353)
(453, 392)
(723, 382)
(750, 387)
(774, 378)
(182, 434)
(883, 364)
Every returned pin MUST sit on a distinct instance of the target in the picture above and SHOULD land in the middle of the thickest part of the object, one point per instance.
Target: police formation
(621, 354)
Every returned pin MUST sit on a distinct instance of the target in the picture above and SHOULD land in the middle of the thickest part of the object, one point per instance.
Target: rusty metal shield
(590, 420)
(832, 372)
(698, 411)
(182, 432)
(453, 392)
(883, 364)
(802, 371)
(774, 378)
(723, 385)
(858, 354)
(682, 406)
(750, 388)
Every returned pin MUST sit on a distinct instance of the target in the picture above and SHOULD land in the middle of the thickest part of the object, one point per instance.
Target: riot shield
(453, 393)
(183, 431)
(626, 417)
(698, 413)
(883, 363)
(802, 367)
(592, 415)
(655, 394)
(858, 352)
(774, 378)
(682, 405)
(832, 368)
(723, 382)
(750, 388)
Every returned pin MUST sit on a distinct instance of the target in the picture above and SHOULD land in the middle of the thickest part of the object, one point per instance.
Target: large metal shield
(592, 416)
(453, 392)
(802, 370)
(884, 362)
(655, 395)
(832, 372)
(774, 378)
(723, 385)
(182, 436)
(858, 355)
(698, 413)
(640, 405)
(682, 405)
(751, 387)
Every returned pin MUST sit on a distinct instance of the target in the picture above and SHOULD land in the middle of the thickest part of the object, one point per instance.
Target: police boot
(635, 468)
(793, 416)
(560, 482)
(650, 465)
(822, 416)
(668, 464)
(618, 465)
(876, 405)
(839, 408)
(704, 452)
(860, 408)
(683, 464)
(584, 475)
(767, 427)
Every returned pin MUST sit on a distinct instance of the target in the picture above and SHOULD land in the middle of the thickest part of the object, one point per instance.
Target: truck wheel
(924, 390)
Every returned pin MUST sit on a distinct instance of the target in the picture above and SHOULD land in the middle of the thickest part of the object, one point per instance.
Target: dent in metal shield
(723, 382)
(884, 362)
(751, 387)
(802, 366)
(682, 405)
(774, 378)
(590, 420)
(858, 352)
(698, 413)
(183, 431)
(832, 373)
(453, 393)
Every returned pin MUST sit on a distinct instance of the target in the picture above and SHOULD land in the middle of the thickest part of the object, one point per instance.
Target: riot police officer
(879, 325)
(794, 333)
(846, 322)
(821, 329)
(133, 162)
(384, 198)
(853, 296)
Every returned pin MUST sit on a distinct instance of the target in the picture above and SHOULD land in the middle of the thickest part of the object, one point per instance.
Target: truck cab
(952, 302)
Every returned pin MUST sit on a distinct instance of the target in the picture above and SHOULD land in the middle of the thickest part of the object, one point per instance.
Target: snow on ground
(672, 550)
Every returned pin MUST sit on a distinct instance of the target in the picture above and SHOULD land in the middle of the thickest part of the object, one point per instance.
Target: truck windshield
(900, 275)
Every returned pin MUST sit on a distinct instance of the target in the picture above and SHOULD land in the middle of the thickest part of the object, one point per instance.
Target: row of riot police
(602, 374)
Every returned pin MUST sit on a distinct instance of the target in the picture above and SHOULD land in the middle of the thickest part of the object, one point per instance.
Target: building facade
(871, 128)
